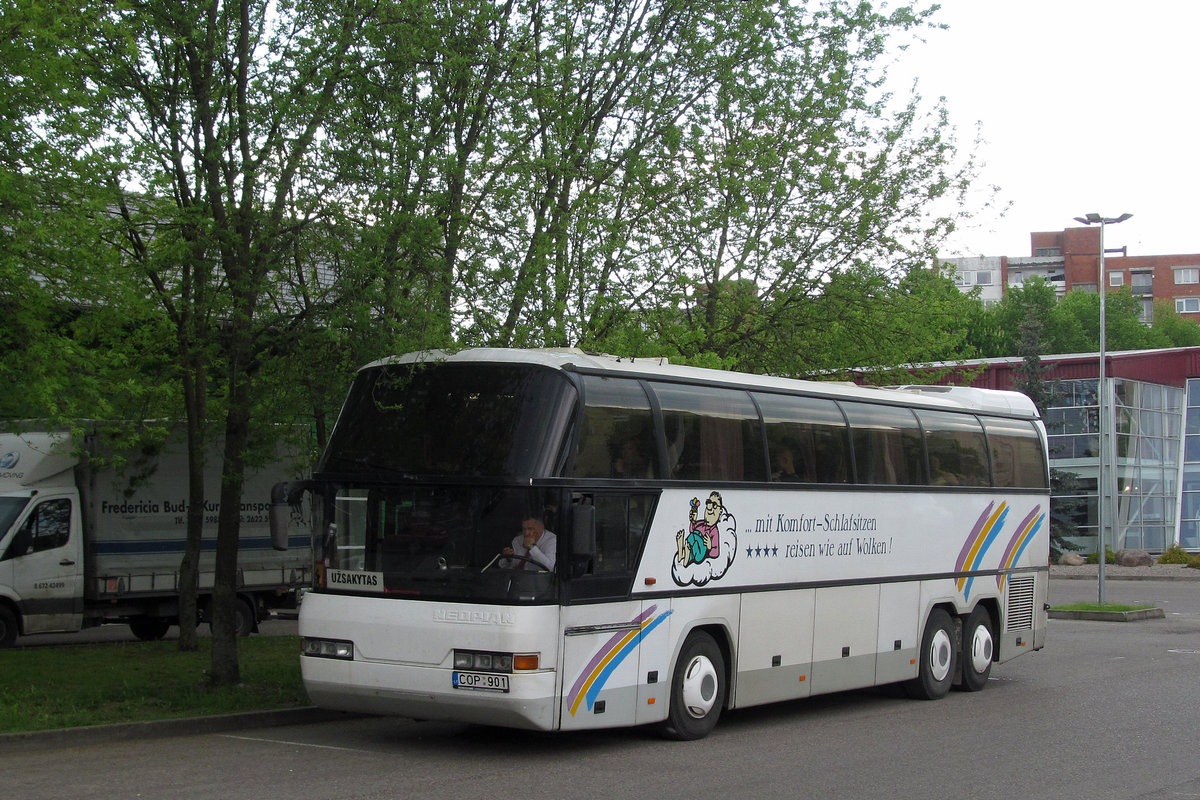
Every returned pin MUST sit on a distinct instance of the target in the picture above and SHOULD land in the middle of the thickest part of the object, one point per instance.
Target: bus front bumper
(427, 693)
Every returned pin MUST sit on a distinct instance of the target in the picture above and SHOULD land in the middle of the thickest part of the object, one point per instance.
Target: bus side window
(888, 448)
(620, 521)
(957, 449)
(617, 437)
(713, 434)
(1016, 451)
(806, 438)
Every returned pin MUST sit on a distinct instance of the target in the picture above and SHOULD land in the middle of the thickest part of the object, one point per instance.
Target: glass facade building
(1189, 490)
(1148, 424)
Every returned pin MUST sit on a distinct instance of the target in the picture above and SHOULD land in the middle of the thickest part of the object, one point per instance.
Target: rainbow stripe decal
(987, 528)
(597, 672)
(1025, 533)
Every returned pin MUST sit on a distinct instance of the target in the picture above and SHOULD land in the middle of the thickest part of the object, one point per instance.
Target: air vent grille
(1020, 603)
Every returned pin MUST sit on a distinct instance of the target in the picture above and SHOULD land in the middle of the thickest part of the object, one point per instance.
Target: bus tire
(936, 659)
(697, 689)
(978, 649)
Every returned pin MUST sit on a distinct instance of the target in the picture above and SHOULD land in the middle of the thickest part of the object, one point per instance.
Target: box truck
(83, 544)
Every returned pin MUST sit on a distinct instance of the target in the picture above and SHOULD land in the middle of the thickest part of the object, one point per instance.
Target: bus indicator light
(526, 662)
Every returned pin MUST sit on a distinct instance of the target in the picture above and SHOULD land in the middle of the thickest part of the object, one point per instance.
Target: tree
(1124, 329)
(215, 110)
(538, 172)
(1176, 329)
(867, 320)
(796, 174)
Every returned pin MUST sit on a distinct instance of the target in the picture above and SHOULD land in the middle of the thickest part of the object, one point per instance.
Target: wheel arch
(992, 606)
(720, 634)
(949, 606)
(14, 608)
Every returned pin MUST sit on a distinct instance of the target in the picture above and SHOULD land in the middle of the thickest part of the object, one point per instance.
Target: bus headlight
(476, 661)
(327, 648)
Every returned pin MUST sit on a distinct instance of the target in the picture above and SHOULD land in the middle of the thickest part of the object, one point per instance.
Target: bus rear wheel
(978, 647)
(697, 689)
(936, 657)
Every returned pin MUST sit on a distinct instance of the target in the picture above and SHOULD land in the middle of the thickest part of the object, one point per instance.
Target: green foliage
(1177, 330)
(1175, 554)
(130, 682)
(1094, 558)
(1072, 324)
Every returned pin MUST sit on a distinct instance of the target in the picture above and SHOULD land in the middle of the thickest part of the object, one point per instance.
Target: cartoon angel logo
(705, 549)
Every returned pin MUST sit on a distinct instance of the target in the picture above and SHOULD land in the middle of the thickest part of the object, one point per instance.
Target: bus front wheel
(937, 661)
(978, 646)
(697, 689)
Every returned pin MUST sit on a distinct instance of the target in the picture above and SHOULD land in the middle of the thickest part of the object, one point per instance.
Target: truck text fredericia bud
(82, 545)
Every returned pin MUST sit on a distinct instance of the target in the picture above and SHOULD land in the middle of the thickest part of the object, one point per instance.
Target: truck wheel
(244, 621)
(149, 629)
(697, 689)
(8, 628)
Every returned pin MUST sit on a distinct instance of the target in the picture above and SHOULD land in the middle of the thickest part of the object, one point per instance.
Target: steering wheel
(501, 556)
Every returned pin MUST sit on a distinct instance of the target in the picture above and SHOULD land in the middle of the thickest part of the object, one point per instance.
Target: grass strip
(44, 688)
(1100, 607)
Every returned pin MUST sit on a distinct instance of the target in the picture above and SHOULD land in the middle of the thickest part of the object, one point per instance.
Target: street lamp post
(1106, 468)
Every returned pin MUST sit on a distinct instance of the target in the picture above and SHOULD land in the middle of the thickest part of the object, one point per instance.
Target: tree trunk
(225, 669)
(189, 568)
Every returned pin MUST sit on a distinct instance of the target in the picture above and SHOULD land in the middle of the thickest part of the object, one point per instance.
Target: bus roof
(993, 401)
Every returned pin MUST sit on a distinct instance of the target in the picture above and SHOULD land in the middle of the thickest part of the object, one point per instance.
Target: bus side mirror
(583, 538)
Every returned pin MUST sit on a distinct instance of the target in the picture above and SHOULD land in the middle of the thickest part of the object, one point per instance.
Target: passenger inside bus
(783, 466)
(630, 462)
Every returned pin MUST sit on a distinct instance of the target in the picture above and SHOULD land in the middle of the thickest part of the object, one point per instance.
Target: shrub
(1194, 562)
(1109, 556)
(1175, 554)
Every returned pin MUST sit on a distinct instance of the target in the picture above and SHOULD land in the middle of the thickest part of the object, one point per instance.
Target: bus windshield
(450, 420)
(444, 542)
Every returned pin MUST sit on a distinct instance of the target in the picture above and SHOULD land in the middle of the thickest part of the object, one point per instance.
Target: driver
(533, 542)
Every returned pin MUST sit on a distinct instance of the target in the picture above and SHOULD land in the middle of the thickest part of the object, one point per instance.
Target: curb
(1171, 575)
(189, 726)
(1109, 616)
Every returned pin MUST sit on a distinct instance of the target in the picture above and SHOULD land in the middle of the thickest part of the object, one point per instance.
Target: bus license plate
(482, 681)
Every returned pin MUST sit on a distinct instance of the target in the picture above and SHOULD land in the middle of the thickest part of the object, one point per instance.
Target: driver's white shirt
(544, 552)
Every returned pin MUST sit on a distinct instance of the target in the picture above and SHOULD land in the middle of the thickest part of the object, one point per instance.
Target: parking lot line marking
(296, 744)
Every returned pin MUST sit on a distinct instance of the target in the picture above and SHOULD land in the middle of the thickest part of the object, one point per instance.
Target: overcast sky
(1085, 105)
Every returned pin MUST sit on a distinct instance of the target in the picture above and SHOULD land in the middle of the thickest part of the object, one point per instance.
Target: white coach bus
(553, 540)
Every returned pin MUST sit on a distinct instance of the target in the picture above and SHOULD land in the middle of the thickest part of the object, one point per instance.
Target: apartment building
(1070, 259)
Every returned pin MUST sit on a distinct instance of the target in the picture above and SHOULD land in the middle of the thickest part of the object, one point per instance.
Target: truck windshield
(461, 420)
(10, 509)
(444, 542)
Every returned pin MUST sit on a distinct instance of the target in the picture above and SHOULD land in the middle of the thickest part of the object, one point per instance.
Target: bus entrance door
(602, 654)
